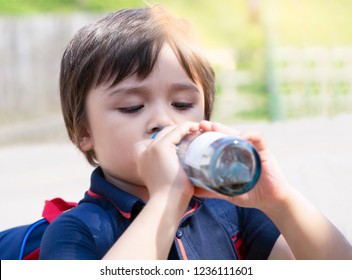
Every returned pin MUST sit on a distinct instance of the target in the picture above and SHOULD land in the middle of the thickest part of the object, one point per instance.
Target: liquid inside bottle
(220, 163)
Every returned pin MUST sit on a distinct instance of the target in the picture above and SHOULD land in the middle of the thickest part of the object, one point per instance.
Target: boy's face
(131, 111)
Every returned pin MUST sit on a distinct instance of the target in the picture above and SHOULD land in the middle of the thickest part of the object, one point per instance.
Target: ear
(86, 143)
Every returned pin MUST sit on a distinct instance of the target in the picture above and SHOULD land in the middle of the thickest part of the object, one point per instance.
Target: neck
(136, 190)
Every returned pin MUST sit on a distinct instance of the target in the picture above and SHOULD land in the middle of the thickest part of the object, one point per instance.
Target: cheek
(117, 156)
(117, 147)
(197, 114)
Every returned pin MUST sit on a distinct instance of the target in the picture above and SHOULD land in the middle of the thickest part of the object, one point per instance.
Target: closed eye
(131, 109)
(182, 105)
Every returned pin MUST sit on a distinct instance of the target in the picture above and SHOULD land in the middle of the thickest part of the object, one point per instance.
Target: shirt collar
(125, 202)
(128, 205)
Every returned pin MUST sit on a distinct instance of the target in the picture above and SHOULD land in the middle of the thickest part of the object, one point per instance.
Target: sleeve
(258, 232)
(68, 238)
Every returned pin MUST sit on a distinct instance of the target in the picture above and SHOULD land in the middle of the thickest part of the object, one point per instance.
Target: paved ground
(315, 154)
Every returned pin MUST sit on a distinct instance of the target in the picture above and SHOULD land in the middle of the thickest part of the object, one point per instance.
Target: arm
(309, 235)
(307, 232)
(152, 233)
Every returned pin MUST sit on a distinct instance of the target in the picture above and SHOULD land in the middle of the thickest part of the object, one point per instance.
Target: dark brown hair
(120, 45)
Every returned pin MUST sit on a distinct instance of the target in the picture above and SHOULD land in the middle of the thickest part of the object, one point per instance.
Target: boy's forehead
(167, 66)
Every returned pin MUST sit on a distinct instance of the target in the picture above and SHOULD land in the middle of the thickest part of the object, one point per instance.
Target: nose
(159, 118)
(155, 130)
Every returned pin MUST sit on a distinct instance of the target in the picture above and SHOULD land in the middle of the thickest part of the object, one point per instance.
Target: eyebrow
(142, 89)
(185, 87)
(127, 90)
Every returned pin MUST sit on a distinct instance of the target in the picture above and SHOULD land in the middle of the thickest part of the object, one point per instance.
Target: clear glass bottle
(220, 163)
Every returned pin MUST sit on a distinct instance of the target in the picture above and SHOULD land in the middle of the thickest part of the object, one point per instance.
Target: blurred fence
(310, 81)
(30, 51)
(314, 80)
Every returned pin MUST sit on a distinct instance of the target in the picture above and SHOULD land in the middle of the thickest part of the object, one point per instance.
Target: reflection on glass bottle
(220, 163)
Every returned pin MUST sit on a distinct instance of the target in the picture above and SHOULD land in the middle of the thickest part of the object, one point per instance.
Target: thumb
(139, 149)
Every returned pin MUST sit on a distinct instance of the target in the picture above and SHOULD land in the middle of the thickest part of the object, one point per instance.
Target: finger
(140, 147)
(252, 136)
(218, 127)
(175, 134)
(160, 134)
(206, 125)
(255, 138)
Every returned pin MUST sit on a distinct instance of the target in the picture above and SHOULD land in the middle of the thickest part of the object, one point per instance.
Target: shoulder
(87, 218)
(84, 232)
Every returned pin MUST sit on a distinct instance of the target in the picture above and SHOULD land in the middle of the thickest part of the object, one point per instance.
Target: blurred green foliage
(39, 6)
(238, 25)
(227, 22)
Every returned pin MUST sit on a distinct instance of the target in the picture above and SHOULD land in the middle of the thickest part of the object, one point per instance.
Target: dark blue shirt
(210, 229)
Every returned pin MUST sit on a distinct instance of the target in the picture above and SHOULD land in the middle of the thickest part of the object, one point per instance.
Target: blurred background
(284, 67)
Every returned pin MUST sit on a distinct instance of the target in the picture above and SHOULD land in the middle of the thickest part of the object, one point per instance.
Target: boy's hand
(272, 186)
(159, 167)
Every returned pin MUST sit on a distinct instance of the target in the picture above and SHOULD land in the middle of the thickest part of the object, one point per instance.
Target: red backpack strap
(34, 255)
(55, 207)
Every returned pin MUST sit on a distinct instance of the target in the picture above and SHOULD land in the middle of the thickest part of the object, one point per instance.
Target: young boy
(124, 78)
